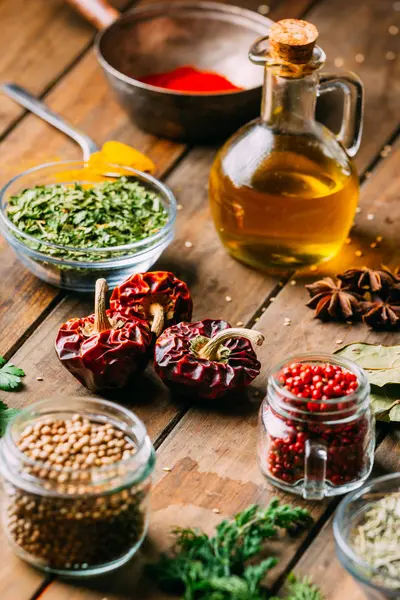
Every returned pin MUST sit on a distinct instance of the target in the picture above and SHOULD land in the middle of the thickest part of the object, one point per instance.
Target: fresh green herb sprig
(217, 568)
(6, 414)
(104, 215)
(10, 376)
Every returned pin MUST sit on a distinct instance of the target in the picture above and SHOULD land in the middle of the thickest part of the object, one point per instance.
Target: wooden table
(211, 453)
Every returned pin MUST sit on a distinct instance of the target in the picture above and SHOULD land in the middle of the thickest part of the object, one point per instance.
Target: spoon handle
(39, 108)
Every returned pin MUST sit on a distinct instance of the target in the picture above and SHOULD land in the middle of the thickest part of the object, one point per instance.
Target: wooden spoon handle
(99, 13)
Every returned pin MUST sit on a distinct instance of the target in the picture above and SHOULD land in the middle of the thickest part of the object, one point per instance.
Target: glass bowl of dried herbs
(367, 535)
(70, 223)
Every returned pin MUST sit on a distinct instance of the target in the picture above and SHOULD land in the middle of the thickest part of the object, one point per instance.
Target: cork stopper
(293, 40)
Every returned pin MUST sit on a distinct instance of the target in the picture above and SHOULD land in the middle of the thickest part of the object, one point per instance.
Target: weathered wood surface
(352, 31)
(39, 41)
(320, 561)
(212, 453)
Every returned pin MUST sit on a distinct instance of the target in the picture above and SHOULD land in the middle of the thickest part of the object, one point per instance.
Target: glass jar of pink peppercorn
(316, 428)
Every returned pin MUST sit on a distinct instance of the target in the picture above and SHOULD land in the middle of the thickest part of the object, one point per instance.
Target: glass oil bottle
(283, 189)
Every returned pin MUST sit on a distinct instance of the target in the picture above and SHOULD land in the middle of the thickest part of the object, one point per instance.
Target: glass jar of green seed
(77, 478)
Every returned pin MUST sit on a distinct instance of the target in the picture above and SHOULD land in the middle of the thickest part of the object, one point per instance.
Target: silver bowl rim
(142, 246)
(157, 9)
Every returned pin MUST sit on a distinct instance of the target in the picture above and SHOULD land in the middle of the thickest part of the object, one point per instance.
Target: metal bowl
(161, 37)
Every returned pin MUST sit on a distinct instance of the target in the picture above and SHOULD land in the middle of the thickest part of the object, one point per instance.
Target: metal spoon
(39, 108)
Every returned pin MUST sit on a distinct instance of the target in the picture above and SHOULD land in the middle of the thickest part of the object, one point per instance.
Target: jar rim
(357, 396)
(136, 464)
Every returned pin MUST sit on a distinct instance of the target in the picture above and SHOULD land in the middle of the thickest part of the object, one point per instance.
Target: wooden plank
(320, 561)
(351, 31)
(212, 452)
(39, 41)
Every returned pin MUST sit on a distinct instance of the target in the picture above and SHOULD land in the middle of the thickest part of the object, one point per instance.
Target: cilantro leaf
(10, 376)
(6, 414)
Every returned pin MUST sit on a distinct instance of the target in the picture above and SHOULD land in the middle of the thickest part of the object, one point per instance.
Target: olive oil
(291, 206)
(283, 189)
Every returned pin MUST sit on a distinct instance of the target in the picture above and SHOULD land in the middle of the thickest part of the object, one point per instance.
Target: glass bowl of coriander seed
(366, 528)
(70, 223)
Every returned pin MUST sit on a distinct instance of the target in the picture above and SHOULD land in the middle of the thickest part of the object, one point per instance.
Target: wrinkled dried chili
(191, 79)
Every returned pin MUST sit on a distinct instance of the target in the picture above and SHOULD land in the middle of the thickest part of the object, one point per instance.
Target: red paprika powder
(191, 79)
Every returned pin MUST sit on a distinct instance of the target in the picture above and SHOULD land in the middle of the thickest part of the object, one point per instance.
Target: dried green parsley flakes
(104, 215)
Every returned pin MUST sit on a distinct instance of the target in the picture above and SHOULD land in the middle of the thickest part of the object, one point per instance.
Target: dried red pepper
(207, 359)
(106, 349)
(158, 296)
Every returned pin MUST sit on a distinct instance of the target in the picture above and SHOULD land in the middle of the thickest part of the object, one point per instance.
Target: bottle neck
(288, 102)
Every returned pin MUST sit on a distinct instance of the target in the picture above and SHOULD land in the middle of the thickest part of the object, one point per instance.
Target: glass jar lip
(152, 239)
(351, 366)
(342, 542)
(142, 444)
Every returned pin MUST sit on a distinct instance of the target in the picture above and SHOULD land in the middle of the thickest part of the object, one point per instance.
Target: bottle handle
(315, 459)
(353, 107)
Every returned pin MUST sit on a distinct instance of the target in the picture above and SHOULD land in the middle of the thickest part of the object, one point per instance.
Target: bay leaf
(385, 402)
(381, 363)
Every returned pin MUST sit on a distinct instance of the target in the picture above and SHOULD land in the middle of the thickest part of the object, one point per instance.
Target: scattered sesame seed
(338, 62)
(39, 378)
(358, 253)
(272, 299)
(347, 241)
(387, 148)
(263, 309)
(368, 174)
(239, 324)
(256, 319)
(313, 268)
(221, 229)
(373, 245)
(393, 30)
(179, 207)
(379, 238)
(293, 282)
(263, 9)
(370, 217)
(188, 244)
(167, 469)
(360, 58)
(256, 393)
(216, 511)
(339, 342)
(228, 298)
(287, 323)
(390, 55)
(383, 154)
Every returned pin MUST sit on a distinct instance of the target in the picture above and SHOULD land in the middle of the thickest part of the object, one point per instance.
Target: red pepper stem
(211, 350)
(101, 321)
(156, 310)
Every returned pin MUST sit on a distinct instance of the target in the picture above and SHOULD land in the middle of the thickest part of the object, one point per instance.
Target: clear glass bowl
(115, 264)
(351, 511)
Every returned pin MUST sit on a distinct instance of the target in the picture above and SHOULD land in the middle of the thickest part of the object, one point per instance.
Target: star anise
(382, 314)
(365, 279)
(332, 301)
